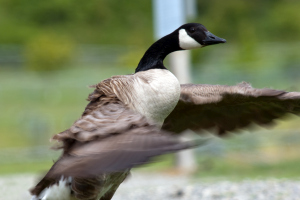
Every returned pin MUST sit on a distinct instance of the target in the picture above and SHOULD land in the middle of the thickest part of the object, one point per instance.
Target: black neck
(154, 56)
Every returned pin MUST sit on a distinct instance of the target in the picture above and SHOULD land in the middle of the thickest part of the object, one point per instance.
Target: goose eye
(192, 30)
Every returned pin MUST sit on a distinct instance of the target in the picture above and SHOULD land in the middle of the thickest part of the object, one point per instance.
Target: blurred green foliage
(48, 52)
(131, 58)
(267, 20)
(123, 22)
(93, 21)
(248, 24)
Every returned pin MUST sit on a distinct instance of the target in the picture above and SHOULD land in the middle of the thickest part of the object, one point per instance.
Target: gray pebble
(164, 187)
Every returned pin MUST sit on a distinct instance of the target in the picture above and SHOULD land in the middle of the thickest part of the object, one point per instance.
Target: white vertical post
(168, 16)
(190, 9)
(180, 66)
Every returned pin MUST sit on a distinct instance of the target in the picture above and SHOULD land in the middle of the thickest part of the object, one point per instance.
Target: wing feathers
(117, 153)
(111, 138)
(108, 140)
(228, 108)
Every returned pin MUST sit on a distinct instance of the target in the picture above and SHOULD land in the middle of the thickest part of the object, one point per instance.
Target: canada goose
(121, 126)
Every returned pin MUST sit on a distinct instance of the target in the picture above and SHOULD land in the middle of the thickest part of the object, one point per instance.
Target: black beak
(212, 39)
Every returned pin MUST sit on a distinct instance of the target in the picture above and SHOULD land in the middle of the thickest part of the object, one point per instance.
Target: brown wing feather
(228, 108)
(109, 138)
(117, 153)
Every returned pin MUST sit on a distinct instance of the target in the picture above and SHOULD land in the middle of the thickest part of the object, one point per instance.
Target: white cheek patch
(186, 41)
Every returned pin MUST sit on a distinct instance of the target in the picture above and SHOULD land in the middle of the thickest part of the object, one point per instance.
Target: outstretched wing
(227, 108)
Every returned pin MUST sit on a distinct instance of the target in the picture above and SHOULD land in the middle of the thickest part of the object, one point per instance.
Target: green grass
(233, 171)
(36, 106)
(208, 168)
(222, 168)
(36, 167)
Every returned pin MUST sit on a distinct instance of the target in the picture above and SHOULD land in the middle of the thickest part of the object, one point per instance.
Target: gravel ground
(162, 187)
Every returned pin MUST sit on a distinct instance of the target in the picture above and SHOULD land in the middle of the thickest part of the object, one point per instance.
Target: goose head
(187, 36)
(193, 35)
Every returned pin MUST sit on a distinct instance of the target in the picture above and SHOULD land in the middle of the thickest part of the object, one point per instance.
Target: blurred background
(51, 51)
